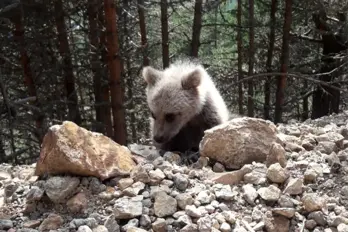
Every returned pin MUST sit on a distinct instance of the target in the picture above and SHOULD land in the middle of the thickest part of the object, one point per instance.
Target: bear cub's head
(174, 96)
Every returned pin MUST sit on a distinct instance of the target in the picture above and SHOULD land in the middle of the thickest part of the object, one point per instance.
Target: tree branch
(304, 37)
(299, 75)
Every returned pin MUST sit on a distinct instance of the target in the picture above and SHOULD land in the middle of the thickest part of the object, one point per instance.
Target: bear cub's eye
(170, 117)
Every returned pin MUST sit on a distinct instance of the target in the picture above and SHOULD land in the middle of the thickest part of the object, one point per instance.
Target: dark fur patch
(191, 134)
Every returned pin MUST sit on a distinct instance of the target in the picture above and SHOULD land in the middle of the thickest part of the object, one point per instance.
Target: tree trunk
(326, 100)
(305, 108)
(196, 28)
(27, 73)
(267, 87)
(2, 151)
(251, 59)
(165, 33)
(10, 118)
(114, 64)
(92, 12)
(69, 78)
(240, 58)
(143, 34)
(284, 60)
(105, 88)
(128, 64)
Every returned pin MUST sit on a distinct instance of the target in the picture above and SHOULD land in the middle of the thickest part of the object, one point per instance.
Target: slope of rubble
(309, 193)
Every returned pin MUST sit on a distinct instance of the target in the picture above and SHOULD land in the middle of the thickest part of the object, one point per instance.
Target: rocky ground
(306, 190)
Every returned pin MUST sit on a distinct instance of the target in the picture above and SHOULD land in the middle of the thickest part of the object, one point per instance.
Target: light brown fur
(184, 103)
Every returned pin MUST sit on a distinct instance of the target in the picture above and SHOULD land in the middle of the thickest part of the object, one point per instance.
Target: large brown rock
(70, 149)
(241, 141)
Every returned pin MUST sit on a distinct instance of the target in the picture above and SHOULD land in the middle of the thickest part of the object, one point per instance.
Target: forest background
(81, 61)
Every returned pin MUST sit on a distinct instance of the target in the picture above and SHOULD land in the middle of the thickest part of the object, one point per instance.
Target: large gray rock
(70, 149)
(239, 141)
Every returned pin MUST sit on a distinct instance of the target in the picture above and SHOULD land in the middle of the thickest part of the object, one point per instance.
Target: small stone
(223, 207)
(287, 212)
(190, 228)
(310, 175)
(192, 211)
(270, 193)
(294, 186)
(312, 202)
(5, 224)
(77, 203)
(293, 147)
(255, 177)
(218, 167)
(100, 228)
(172, 157)
(276, 223)
(216, 224)
(145, 221)
(223, 192)
(184, 220)
(10, 189)
(5, 175)
(52, 222)
(34, 194)
(277, 174)
(232, 177)
(326, 147)
(139, 173)
(308, 143)
(131, 223)
(319, 217)
(178, 214)
(210, 209)
(310, 224)
(249, 193)
(127, 208)
(225, 227)
(204, 224)
(95, 185)
(164, 205)
(285, 201)
(111, 224)
(31, 224)
(344, 191)
(229, 216)
(135, 229)
(256, 215)
(154, 190)
(342, 227)
(300, 164)
(58, 188)
(276, 155)
(84, 228)
(125, 183)
(180, 181)
(77, 222)
(205, 197)
(184, 199)
(336, 220)
(159, 225)
(156, 176)
(134, 190)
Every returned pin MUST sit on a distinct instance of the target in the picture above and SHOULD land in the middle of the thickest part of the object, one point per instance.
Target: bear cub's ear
(192, 80)
(151, 75)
